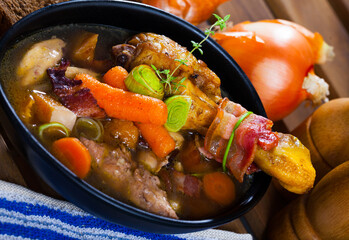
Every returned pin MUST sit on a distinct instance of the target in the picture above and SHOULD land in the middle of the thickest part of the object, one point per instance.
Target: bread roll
(326, 134)
(321, 215)
(13, 10)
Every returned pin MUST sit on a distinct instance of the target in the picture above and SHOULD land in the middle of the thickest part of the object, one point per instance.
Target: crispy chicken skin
(162, 52)
(289, 162)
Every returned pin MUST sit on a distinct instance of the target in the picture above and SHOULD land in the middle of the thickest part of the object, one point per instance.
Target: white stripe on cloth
(45, 222)
(16, 193)
(9, 237)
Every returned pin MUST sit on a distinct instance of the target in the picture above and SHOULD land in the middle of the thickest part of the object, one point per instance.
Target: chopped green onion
(237, 124)
(50, 132)
(198, 175)
(88, 128)
(178, 107)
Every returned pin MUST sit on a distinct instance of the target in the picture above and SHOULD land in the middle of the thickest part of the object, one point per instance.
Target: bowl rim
(37, 146)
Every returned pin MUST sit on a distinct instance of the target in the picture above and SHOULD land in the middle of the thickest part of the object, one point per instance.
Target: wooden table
(328, 17)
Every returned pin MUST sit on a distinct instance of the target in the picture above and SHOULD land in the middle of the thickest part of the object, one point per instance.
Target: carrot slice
(158, 138)
(125, 105)
(115, 77)
(73, 154)
(219, 187)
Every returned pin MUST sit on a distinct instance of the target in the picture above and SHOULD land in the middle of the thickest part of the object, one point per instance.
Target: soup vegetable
(144, 121)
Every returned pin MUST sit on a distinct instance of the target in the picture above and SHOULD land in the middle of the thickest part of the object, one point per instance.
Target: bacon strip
(70, 93)
(253, 130)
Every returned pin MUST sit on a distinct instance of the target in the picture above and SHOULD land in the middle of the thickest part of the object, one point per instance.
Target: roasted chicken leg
(162, 52)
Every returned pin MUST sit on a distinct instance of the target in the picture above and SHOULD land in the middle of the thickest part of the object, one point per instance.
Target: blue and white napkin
(25, 214)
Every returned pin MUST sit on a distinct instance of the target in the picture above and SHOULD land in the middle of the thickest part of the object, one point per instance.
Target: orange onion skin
(193, 11)
(276, 57)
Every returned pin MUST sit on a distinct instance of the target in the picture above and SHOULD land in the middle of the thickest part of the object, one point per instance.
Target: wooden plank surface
(9, 171)
(251, 10)
(341, 8)
(328, 17)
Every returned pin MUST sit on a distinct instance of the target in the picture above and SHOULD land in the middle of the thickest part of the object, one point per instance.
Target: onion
(193, 11)
(278, 56)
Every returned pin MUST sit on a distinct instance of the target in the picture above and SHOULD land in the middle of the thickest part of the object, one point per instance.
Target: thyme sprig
(167, 77)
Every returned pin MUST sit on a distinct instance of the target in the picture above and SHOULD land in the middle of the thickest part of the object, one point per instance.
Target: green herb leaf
(169, 79)
(182, 61)
(154, 67)
(226, 18)
(196, 45)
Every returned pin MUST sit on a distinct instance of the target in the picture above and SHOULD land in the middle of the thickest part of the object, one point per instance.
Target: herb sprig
(167, 77)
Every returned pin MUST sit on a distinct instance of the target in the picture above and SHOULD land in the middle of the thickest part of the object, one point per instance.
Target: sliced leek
(49, 132)
(143, 80)
(88, 128)
(178, 107)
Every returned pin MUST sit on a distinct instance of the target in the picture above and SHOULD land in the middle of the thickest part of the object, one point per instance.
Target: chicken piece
(123, 54)
(279, 155)
(202, 110)
(162, 52)
(289, 162)
(47, 109)
(114, 172)
(39, 57)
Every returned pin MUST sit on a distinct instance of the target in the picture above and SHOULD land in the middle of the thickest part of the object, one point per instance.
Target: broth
(186, 205)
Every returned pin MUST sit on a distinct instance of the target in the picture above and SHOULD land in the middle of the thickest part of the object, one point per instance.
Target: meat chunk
(114, 172)
(162, 52)
(202, 110)
(123, 54)
(201, 84)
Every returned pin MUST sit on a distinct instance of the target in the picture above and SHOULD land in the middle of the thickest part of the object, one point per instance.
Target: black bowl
(138, 18)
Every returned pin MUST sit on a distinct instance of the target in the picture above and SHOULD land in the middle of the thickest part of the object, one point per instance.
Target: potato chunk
(73, 71)
(39, 57)
(49, 110)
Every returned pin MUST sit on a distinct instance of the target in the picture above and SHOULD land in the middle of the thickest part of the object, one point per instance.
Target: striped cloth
(28, 215)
